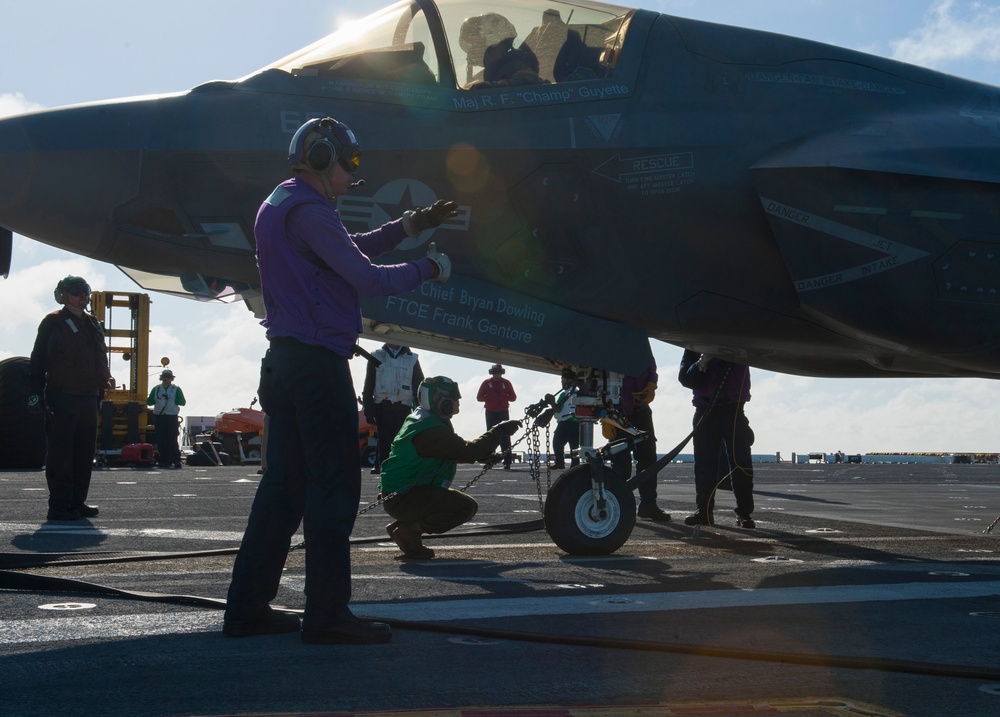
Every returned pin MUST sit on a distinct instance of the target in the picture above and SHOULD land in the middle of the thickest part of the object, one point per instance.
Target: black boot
(699, 517)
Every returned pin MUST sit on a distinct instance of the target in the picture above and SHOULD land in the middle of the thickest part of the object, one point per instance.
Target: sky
(63, 52)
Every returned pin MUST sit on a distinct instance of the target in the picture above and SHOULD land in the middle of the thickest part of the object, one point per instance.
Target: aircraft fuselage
(796, 206)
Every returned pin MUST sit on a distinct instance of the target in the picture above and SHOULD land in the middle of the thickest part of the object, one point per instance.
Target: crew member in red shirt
(497, 393)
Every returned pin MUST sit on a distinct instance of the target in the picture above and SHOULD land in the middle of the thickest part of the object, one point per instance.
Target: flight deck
(865, 589)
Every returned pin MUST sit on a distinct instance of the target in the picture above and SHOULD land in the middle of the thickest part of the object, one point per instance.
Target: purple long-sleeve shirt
(312, 270)
(735, 390)
(634, 384)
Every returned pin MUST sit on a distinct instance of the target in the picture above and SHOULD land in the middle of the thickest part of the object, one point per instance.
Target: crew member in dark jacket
(721, 389)
(68, 373)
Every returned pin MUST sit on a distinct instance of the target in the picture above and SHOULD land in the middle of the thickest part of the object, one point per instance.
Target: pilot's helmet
(320, 142)
(482, 31)
(71, 286)
(439, 395)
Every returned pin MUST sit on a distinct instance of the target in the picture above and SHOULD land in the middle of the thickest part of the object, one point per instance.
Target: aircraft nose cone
(64, 171)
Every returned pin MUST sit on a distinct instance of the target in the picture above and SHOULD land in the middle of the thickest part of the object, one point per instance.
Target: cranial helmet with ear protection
(320, 142)
(438, 395)
(70, 285)
(479, 32)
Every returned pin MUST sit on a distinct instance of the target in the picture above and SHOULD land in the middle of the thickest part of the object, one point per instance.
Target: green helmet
(438, 395)
(73, 285)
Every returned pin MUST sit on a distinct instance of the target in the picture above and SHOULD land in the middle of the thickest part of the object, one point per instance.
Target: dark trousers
(167, 430)
(389, 419)
(723, 429)
(438, 510)
(70, 445)
(492, 419)
(566, 432)
(313, 477)
(645, 454)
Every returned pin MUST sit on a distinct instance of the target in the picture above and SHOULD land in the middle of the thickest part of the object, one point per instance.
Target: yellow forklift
(125, 431)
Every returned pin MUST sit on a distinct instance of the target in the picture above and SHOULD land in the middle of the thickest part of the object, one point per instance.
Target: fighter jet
(622, 174)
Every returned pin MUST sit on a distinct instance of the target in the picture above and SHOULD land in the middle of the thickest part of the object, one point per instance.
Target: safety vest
(565, 406)
(165, 401)
(394, 378)
(405, 468)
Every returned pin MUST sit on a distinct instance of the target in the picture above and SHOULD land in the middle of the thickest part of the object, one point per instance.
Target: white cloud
(952, 31)
(215, 352)
(26, 296)
(15, 104)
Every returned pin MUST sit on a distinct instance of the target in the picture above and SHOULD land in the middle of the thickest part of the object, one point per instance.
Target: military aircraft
(805, 208)
(622, 174)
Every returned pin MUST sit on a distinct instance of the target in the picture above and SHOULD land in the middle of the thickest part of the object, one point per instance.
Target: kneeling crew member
(422, 465)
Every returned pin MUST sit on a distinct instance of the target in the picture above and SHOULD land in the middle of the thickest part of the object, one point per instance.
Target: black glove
(545, 416)
(370, 417)
(506, 428)
(35, 404)
(429, 217)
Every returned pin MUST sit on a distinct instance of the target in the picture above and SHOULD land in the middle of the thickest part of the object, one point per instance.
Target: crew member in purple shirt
(311, 273)
(720, 391)
(637, 393)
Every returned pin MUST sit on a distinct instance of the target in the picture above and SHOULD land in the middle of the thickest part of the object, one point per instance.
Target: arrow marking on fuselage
(896, 254)
(615, 168)
(984, 110)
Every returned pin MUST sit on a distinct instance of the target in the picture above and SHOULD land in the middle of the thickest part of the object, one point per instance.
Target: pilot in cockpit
(488, 42)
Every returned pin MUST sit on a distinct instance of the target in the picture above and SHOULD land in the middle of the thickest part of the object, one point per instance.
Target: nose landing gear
(590, 509)
(584, 516)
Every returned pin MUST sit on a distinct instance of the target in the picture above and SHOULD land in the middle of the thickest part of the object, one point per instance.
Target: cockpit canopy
(471, 44)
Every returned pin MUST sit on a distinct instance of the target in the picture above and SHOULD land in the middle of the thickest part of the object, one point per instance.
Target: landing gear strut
(590, 509)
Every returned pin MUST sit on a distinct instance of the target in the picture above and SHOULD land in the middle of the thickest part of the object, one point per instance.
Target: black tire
(570, 516)
(23, 432)
(200, 459)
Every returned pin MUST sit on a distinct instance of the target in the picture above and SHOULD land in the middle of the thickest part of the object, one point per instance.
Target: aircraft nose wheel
(578, 524)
